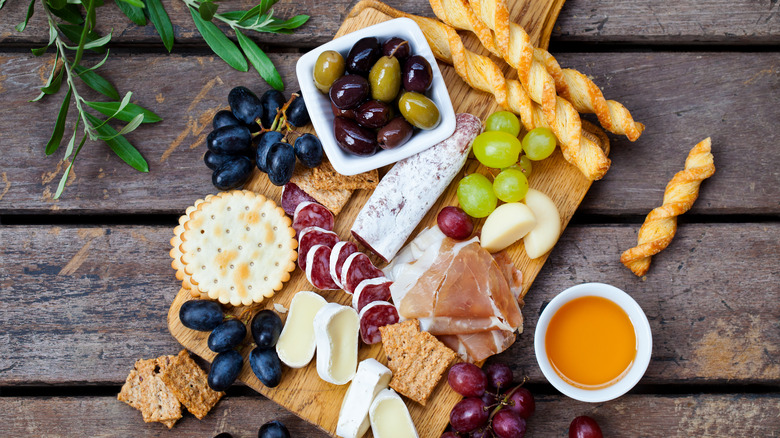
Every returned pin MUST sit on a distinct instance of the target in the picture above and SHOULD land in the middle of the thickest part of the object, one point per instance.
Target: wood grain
(708, 298)
(675, 94)
(629, 416)
(614, 21)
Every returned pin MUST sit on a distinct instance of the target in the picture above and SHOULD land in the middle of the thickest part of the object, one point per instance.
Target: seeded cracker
(325, 177)
(238, 247)
(188, 382)
(145, 391)
(416, 358)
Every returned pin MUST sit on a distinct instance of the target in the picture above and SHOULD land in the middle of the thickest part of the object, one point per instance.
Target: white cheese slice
(548, 224)
(371, 378)
(336, 330)
(506, 225)
(296, 343)
(390, 417)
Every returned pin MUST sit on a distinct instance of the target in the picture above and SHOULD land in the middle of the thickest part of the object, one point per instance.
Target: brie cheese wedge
(296, 344)
(390, 417)
(371, 378)
(336, 329)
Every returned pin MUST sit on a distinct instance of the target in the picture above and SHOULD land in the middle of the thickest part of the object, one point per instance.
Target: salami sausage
(292, 195)
(338, 256)
(311, 236)
(318, 268)
(368, 291)
(375, 315)
(357, 267)
(312, 214)
(410, 188)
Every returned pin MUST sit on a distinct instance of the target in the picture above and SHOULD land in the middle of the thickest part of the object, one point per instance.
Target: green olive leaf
(57, 4)
(128, 113)
(134, 12)
(219, 43)
(159, 18)
(30, 11)
(72, 142)
(290, 24)
(70, 13)
(136, 3)
(207, 10)
(96, 82)
(64, 179)
(59, 126)
(126, 151)
(54, 86)
(260, 61)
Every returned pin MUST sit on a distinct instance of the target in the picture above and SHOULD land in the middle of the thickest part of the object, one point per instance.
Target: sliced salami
(292, 195)
(338, 256)
(368, 291)
(318, 268)
(311, 236)
(357, 267)
(375, 315)
(312, 214)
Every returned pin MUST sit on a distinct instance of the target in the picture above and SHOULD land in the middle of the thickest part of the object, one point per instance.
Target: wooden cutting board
(301, 390)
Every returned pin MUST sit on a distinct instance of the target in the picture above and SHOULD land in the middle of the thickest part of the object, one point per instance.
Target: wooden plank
(618, 21)
(629, 416)
(675, 94)
(93, 300)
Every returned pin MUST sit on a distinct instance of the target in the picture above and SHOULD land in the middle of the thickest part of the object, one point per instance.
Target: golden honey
(590, 342)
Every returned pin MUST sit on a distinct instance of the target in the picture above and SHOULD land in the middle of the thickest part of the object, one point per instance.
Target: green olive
(385, 79)
(329, 67)
(418, 110)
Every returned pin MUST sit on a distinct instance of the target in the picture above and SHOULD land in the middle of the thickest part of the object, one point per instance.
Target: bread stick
(661, 224)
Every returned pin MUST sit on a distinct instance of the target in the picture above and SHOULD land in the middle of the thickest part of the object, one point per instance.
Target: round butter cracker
(238, 247)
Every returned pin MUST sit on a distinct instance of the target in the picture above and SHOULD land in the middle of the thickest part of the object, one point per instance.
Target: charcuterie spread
(399, 276)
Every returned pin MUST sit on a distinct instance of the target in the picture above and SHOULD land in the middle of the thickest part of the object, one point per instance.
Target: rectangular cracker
(416, 358)
(188, 382)
(145, 391)
(333, 200)
(325, 177)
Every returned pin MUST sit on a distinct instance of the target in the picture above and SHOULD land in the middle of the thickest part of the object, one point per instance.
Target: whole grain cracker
(417, 359)
(145, 391)
(238, 247)
(325, 177)
(188, 382)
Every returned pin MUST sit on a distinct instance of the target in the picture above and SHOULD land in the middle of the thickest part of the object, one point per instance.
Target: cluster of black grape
(272, 429)
(493, 405)
(228, 334)
(254, 133)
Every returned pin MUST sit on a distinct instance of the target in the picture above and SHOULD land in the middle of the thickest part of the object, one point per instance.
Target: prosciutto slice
(459, 292)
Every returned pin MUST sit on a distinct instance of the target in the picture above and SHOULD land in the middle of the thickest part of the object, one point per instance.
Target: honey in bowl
(590, 342)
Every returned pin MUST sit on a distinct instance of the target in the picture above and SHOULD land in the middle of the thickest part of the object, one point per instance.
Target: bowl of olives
(375, 96)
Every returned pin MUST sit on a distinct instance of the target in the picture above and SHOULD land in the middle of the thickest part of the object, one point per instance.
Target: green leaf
(130, 127)
(219, 43)
(2, 3)
(207, 10)
(72, 142)
(30, 10)
(73, 32)
(59, 125)
(233, 15)
(70, 13)
(57, 4)
(260, 9)
(134, 13)
(293, 23)
(122, 105)
(97, 82)
(126, 151)
(52, 76)
(54, 86)
(65, 175)
(99, 64)
(127, 113)
(52, 37)
(158, 16)
(100, 42)
(260, 61)
(137, 3)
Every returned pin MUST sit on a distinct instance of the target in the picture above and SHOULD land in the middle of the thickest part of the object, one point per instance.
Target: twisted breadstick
(482, 74)
(660, 225)
(537, 69)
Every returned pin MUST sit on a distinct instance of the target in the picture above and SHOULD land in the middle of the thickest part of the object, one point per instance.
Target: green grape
(510, 185)
(525, 166)
(503, 121)
(475, 195)
(497, 149)
(539, 143)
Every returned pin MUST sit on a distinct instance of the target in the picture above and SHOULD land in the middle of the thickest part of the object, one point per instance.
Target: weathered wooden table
(85, 281)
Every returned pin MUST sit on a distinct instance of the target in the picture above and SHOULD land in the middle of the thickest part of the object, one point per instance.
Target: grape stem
(505, 401)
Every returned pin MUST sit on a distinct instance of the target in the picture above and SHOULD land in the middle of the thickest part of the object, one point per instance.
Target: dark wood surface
(85, 281)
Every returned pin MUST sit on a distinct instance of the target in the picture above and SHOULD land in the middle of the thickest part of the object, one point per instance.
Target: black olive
(363, 55)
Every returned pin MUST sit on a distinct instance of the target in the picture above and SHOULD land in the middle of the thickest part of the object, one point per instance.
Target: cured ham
(458, 292)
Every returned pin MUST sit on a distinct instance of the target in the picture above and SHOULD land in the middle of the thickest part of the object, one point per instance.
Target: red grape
(508, 424)
(468, 415)
(449, 435)
(489, 398)
(482, 432)
(499, 375)
(584, 427)
(455, 223)
(467, 379)
(522, 402)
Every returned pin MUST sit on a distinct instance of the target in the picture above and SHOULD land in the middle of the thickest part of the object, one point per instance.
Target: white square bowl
(318, 104)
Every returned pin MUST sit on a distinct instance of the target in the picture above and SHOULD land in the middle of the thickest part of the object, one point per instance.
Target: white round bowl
(644, 342)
